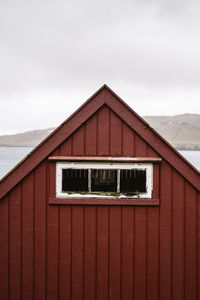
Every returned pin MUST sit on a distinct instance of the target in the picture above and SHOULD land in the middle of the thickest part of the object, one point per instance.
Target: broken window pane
(75, 180)
(133, 181)
(103, 180)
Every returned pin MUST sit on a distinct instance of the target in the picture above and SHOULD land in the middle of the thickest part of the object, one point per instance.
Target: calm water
(10, 156)
(193, 157)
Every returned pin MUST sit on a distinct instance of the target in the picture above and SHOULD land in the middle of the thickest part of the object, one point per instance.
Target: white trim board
(103, 165)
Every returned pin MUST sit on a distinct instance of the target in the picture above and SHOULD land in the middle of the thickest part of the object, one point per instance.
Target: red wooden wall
(100, 252)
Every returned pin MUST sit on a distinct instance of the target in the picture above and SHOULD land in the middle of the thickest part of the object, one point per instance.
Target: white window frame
(103, 165)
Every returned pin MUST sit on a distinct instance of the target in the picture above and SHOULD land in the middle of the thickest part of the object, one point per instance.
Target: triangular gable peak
(104, 96)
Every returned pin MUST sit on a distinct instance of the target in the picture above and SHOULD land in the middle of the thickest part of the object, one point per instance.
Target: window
(104, 180)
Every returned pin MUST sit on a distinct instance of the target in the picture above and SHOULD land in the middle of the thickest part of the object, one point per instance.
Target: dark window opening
(103, 180)
(75, 180)
(108, 181)
(133, 181)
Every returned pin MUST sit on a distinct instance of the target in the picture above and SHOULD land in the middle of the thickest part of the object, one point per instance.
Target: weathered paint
(101, 251)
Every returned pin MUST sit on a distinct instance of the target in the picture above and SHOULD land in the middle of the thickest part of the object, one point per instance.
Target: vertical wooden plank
(52, 236)
(52, 253)
(91, 136)
(102, 252)
(27, 237)
(140, 253)
(66, 147)
(153, 253)
(78, 143)
(178, 236)
(140, 146)
(4, 231)
(90, 253)
(128, 140)
(190, 242)
(65, 253)
(15, 246)
(115, 253)
(127, 252)
(103, 132)
(65, 239)
(151, 152)
(165, 231)
(115, 135)
(77, 252)
(40, 232)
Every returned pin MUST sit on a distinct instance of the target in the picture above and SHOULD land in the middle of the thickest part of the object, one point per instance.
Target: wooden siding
(100, 252)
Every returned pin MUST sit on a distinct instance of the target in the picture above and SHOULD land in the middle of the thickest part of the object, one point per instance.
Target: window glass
(75, 180)
(103, 180)
(133, 181)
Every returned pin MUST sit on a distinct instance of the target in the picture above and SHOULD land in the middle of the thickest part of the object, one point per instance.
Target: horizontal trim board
(105, 158)
(95, 201)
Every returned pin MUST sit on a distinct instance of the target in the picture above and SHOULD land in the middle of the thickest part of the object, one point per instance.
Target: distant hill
(182, 131)
(25, 139)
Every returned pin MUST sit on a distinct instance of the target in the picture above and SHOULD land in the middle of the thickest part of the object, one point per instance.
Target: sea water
(10, 157)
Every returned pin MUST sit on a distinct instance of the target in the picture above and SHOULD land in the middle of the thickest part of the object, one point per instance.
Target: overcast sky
(56, 54)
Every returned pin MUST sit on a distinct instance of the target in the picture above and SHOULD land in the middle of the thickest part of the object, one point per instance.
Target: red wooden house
(104, 208)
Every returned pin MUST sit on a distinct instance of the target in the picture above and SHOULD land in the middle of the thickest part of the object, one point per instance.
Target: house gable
(105, 134)
(82, 128)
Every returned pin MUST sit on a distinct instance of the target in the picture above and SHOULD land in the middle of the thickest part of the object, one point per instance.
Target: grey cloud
(60, 45)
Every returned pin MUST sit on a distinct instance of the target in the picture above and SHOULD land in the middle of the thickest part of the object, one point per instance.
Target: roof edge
(156, 132)
(54, 132)
(76, 119)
